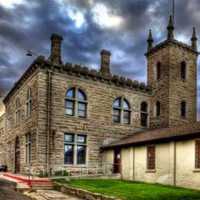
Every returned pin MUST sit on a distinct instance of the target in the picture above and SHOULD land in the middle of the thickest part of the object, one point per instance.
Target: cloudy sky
(88, 26)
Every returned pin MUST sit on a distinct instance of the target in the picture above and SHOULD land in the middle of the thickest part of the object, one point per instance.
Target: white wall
(175, 164)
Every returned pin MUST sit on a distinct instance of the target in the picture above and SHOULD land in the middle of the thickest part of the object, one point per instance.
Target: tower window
(121, 111)
(183, 70)
(157, 113)
(144, 114)
(183, 109)
(158, 71)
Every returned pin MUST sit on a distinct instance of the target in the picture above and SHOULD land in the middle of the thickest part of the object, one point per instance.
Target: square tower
(172, 74)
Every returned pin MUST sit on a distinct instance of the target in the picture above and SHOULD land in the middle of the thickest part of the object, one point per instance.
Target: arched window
(183, 70)
(76, 103)
(158, 71)
(121, 111)
(17, 111)
(157, 113)
(183, 108)
(144, 114)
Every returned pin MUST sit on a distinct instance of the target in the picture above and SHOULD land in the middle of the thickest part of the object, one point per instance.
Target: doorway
(17, 155)
(117, 160)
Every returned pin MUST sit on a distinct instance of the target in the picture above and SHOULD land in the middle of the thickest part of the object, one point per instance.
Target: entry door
(17, 155)
(117, 161)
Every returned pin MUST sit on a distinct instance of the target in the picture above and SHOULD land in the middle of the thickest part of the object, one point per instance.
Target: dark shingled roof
(182, 132)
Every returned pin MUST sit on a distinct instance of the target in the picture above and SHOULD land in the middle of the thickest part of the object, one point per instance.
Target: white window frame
(75, 144)
(28, 148)
(28, 102)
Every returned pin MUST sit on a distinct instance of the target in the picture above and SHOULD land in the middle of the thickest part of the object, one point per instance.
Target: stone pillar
(105, 62)
(56, 48)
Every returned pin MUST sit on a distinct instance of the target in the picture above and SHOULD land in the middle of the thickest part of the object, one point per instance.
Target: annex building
(63, 114)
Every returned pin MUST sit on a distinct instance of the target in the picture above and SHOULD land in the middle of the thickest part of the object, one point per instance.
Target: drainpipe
(55, 59)
(48, 120)
(174, 163)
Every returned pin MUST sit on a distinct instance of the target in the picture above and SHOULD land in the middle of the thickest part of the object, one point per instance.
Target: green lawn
(128, 190)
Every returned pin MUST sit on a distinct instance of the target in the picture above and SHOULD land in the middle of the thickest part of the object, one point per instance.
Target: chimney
(56, 48)
(105, 62)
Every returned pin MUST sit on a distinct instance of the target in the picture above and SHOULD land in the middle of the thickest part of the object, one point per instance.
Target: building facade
(60, 114)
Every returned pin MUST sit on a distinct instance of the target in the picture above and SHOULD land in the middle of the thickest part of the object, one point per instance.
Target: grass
(129, 190)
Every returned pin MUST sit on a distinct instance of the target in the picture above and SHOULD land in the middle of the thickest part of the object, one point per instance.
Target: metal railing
(84, 170)
(29, 173)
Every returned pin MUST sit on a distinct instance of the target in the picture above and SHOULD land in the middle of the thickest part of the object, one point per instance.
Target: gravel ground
(8, 192)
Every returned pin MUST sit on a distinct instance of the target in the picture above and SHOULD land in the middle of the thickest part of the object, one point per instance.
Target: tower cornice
(174, 43)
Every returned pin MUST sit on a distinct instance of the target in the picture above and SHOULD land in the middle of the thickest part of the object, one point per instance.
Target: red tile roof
(190, 130)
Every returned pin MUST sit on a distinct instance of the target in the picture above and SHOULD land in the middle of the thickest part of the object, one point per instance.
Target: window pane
(126, 114)
(158, 109)
(143, 119)
(81, 154)
(69, 104)
(70, 93)
(117, 103)
(81, 106)
(69, 138)
(81, 95)
(69, 111)
(158, 72)
(81, 109)
(116, 112)
(81, 139)
(144, 106)
(126, 105)
(183, 109)
(183, 70)
(68, 154)
(126, 121)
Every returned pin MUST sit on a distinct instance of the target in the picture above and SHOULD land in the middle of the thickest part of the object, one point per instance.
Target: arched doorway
(17, 155)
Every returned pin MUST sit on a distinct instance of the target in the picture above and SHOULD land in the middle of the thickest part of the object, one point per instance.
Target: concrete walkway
(49, 195)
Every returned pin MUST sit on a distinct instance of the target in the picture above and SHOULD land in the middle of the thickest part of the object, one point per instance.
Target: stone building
(63, 114)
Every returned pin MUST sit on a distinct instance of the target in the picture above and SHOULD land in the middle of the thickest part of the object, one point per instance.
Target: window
(157, 110)
(183, 109)
(75, 149)
(17, 112)
(144, 114)
(8, 153)
(151, 157)
(183, 70)
(197, 154)
(76, 103)
(28, 148)
(158, 71)
(121, 111)
(28, 103)
(9, 112)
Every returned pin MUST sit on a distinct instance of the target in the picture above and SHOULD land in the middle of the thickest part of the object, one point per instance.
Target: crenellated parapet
(80, 72)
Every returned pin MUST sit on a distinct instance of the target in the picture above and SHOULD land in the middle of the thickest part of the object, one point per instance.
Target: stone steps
(42, 186)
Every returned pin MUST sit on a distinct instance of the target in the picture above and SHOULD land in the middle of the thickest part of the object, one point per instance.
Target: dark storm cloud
(30, 25)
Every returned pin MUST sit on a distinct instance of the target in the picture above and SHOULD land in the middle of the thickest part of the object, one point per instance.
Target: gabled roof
(181, 132)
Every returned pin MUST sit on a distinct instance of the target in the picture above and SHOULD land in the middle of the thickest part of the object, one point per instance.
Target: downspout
(48, 120)
(174, 163)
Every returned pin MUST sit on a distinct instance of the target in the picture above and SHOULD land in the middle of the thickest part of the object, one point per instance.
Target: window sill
(150, 171)
(120, 124)
(72, 116)
(196, 170)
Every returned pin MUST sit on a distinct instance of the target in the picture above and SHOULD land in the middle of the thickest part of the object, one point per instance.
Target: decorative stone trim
(81, 193)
